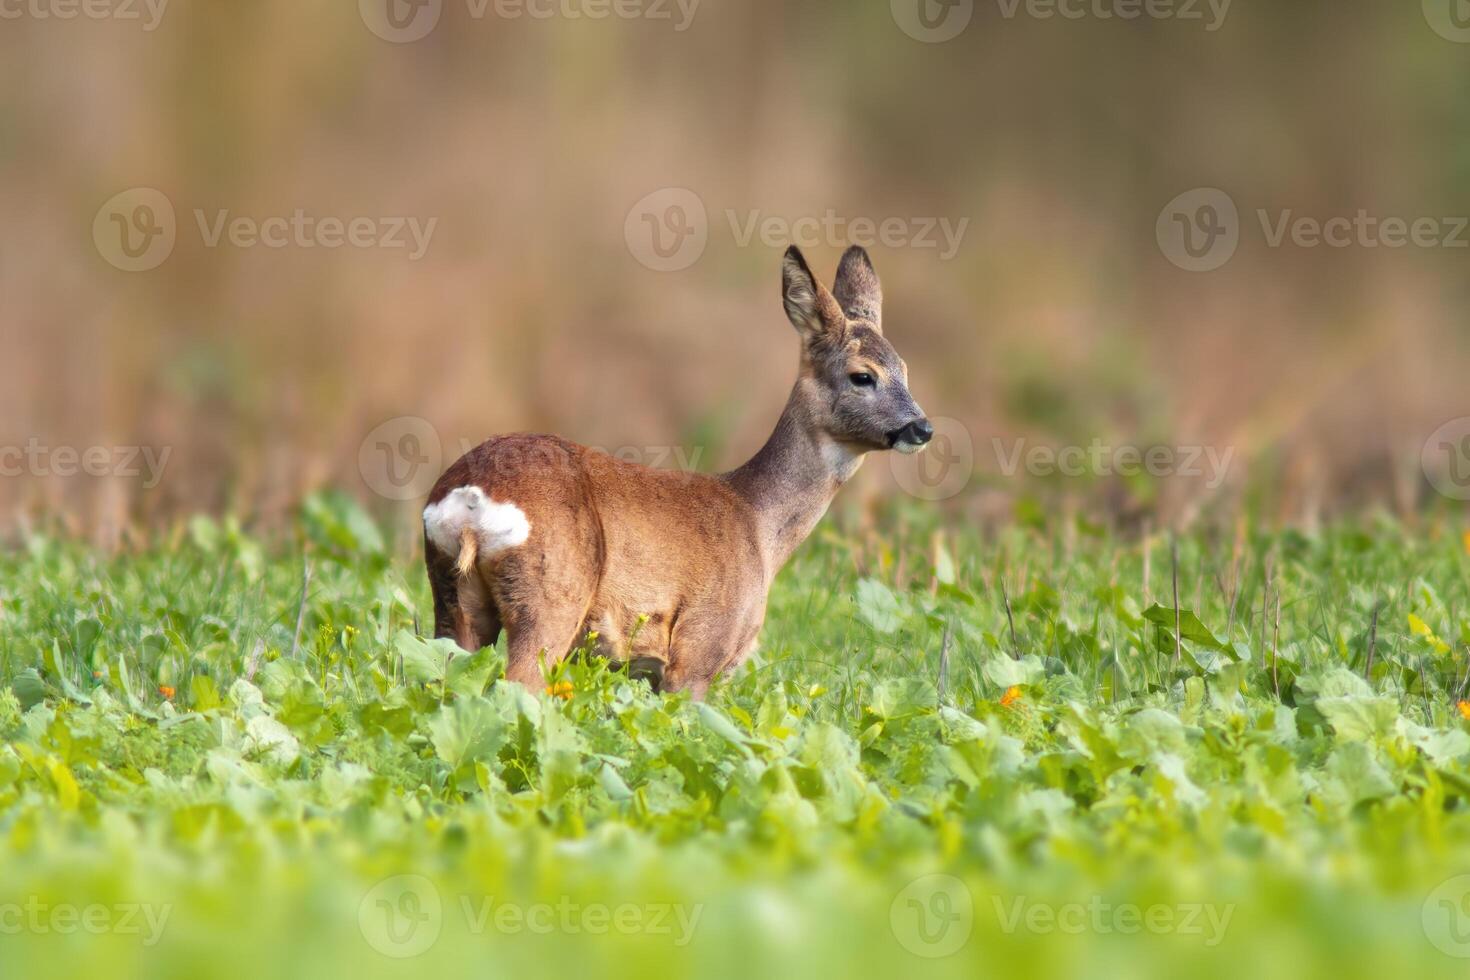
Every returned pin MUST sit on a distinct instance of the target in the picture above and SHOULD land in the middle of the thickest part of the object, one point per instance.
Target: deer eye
(862, 379)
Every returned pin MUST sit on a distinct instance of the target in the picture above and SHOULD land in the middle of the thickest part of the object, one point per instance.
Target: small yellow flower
(166, 691)
(561, 689)
(1011, 696)
(1464, 707)
(1465, 539)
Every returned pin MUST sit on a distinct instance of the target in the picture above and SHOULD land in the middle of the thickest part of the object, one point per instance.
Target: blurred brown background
(1053, 142)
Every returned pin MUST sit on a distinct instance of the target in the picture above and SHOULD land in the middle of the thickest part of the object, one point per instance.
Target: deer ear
(857, 288)
(811, 308)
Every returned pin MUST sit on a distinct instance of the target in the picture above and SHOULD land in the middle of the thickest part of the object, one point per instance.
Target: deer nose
(920, 432)
(913, 435)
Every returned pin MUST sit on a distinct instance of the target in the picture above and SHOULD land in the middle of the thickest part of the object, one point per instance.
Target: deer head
(853, 387)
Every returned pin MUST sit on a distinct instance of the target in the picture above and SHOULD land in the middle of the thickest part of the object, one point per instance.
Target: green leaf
(612, 783)
(943, 565)
(1355, 775)
(716, 722)
(470, 672)
(203, 692)
(468, 730)
(9, 766)
(1190, 628)
(29, 688)
(902, 697)
(425, 661)
(878, 606)
(1004, 672)
(1358, 718)
(336, 521)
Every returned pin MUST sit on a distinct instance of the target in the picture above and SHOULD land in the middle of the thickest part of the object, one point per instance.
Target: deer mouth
(912, 437)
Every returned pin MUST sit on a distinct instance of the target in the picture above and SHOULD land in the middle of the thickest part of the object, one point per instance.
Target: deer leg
(675, 679)
(542, 599)
(463, 608)
(477, 621)
(542, 620)
(444, 584)
(704, 647)
(700, 647)
(545, 636)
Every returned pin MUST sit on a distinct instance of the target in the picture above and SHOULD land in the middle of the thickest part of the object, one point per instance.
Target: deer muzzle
(912, 437)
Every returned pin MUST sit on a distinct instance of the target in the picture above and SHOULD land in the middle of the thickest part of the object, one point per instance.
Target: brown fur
(666, 567)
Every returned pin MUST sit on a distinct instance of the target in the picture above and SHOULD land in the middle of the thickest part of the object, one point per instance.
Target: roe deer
(554, 541)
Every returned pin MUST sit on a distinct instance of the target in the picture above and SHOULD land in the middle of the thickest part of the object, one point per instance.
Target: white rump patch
(497, 526)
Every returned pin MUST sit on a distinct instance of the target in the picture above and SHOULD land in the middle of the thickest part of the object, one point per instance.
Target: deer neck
(792, 479)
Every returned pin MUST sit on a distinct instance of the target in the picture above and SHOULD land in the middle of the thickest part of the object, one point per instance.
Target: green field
(201, 772)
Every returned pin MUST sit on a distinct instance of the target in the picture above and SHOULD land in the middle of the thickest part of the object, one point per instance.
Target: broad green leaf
(1190, 628)
(878, 606)
(1004, 672)
(469, 730)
